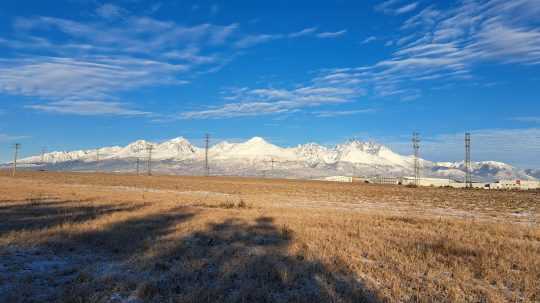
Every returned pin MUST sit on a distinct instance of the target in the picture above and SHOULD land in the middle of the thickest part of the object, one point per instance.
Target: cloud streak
(438, 46)
(10, 138)
(61, 60)
(252, 40)
(88, 108)
(395, 7)
(271, 101)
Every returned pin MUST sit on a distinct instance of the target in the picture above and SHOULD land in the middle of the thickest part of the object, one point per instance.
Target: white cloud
(332, 34)
(267, 101)
(88, 108)
(443, 46)
(304, 32)
(61, 78)
(406, 8)
(100, 59)
(109, 11)
(369, 39)
(339, 113)
(527, 119)
(385, 5)
(11, 138)
(395, 7)
(253, 40)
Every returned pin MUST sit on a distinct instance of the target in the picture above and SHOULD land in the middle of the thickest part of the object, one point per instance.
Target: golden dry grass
(195, 239)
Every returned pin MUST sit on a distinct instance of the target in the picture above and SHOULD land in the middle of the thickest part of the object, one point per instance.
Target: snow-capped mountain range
(257, 157)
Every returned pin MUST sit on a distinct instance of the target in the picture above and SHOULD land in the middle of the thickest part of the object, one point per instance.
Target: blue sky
(81, 73)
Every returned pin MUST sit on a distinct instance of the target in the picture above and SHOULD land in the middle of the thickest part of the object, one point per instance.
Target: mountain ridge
(254, 156)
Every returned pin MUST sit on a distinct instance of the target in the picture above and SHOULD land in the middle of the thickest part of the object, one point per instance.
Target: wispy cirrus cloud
(332, 34)
(436, 46)
(88, 108)
(442, 45)
(340, 113)
(369, 39)
(110, 11)
(305, 32)
(97, 60)
(252, 40)
(528, 119)
(11, 138)
(269, 101)
(62, 60)
(60, 78)
(396, 7)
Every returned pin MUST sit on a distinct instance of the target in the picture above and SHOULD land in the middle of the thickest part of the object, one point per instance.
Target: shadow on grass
(231, 261)
(46, 214)
(125, 239)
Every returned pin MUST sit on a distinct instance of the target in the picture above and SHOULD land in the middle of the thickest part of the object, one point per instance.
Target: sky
(79, 74)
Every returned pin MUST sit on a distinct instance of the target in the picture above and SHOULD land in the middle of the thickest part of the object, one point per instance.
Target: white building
(436, 182)
(517, 184)
(345, 179)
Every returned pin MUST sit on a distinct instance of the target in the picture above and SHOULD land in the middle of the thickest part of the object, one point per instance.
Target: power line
(17, 146)
(468, 177)
(416, 147)
(149, 149)
(206, 145)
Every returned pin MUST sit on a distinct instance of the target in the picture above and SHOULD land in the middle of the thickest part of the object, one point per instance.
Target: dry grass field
(73, 237)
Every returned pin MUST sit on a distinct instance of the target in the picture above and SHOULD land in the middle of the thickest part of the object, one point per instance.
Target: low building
(517, 184)
(436, 182)
(386, 180)
(361, 180)
(345, 179)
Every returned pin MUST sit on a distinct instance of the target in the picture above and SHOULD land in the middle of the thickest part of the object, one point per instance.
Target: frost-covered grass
(120, 238)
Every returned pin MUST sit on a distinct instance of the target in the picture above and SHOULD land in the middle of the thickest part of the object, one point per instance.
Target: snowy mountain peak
(178, 140)
(352, 157)
(256, 140)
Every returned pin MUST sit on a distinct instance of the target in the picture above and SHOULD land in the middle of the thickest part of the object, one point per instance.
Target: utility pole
(206, 145)
(138, 160)
(97, 159)
(416, 147)
(43, 152)
(468, 177)
(17, 146)
(149, 149)
(272, 161)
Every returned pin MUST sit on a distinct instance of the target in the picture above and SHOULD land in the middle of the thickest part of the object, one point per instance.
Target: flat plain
(97, 237)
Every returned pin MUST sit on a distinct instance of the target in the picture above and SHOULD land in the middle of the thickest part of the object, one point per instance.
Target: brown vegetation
(73, 237)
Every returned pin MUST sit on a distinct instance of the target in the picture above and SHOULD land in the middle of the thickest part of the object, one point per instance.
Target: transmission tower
(206, 145)
(149, 149)
(416, 147)
(468, 178)
(17, 146)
